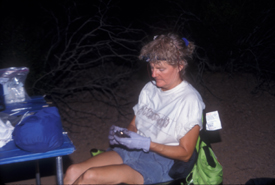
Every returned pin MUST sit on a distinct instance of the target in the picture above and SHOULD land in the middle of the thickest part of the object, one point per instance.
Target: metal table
(10, 153)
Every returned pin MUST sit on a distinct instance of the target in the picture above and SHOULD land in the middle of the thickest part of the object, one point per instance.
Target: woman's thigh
(110, 174)
(103, 159)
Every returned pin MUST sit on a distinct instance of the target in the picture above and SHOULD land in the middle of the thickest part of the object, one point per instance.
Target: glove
(135, 141)
(112, 132)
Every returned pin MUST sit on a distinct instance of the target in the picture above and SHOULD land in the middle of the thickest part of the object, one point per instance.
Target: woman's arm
(183, 151)
(132, 126)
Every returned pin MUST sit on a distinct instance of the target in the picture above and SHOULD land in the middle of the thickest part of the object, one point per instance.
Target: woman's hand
(134, 141)
(112, 132)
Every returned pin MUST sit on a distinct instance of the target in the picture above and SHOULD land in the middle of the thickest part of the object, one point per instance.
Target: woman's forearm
(132, 128)
(173, 152)
(183, 151)
(132, 125)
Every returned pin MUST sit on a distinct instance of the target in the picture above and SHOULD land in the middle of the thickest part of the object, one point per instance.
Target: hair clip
(186, 41)
(147, 59)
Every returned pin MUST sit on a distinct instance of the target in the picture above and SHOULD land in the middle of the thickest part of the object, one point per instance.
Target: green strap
(95, 152)
(198, 144)
(199, 139)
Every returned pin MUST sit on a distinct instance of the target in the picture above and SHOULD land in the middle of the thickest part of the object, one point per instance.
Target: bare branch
(90, 55)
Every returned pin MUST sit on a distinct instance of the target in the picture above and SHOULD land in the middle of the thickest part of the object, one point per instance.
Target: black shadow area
(27, 170)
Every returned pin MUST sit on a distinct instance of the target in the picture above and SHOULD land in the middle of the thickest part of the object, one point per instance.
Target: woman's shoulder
(185, 88)
(147, 90)
(149, 86)
(189, 92)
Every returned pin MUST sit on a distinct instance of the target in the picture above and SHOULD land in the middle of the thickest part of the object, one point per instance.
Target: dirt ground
(244, 146)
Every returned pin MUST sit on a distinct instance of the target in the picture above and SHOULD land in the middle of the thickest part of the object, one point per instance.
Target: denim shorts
(153, 167)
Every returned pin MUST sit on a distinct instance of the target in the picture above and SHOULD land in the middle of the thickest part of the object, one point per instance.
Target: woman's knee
(73, 172)
(91, 176)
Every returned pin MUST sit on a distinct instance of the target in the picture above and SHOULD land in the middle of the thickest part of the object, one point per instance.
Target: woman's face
(165, 75)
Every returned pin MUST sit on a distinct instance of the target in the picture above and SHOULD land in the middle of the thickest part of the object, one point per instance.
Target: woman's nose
(153, 73)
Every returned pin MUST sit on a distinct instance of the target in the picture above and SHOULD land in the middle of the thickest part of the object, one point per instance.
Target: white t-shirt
(166, 116)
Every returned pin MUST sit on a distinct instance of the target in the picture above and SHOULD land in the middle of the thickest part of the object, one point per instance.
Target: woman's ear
(180, 67)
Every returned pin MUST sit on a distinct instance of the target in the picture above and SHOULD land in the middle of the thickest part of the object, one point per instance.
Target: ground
(244, 146)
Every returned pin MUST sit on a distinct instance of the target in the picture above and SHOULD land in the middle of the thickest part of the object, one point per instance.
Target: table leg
(59, 170)
(37, 173)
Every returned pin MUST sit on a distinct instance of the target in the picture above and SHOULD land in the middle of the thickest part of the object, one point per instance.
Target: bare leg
(112, 174)
(103, 159)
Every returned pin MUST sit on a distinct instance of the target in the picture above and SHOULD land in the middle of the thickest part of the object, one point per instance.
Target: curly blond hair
(170, 48)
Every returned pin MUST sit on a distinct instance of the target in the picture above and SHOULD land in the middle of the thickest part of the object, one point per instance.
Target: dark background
(232, 38)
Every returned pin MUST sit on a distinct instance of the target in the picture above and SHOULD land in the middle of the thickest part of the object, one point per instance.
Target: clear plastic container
(12, 80)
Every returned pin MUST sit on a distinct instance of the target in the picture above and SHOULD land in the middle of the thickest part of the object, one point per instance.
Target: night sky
(225, 29)
(32, 10)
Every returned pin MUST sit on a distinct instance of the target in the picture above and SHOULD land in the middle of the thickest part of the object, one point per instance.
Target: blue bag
(39, 132)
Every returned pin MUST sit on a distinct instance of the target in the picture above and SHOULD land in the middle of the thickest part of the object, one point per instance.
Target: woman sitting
(165, 127)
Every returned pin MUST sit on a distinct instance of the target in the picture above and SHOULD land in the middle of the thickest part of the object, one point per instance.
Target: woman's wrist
(156, 147)
(132, 128)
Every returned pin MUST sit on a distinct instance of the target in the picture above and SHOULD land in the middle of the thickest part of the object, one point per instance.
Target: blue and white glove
(112, 132)
(135, 141)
